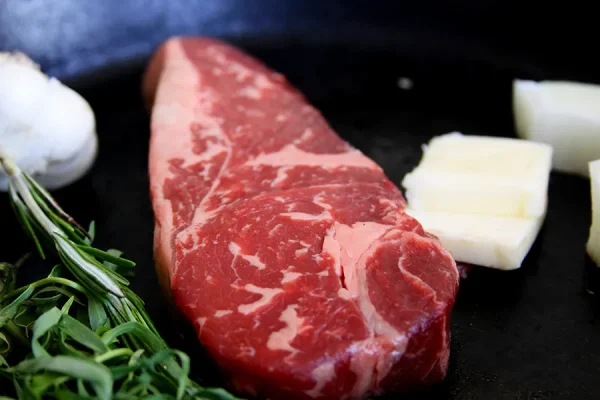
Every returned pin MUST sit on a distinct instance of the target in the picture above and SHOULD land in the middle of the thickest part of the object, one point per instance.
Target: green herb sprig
(88, 333)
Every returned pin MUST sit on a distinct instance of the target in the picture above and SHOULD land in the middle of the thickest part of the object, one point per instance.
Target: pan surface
(532, 333)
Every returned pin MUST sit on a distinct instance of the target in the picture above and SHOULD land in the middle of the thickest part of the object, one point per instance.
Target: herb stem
(17, 180)
(43, 282)
(102, 358)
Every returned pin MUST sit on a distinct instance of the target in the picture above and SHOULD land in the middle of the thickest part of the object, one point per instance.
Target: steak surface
(288, 249)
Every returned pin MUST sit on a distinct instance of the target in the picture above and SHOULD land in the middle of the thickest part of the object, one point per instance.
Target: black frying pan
(527, 334)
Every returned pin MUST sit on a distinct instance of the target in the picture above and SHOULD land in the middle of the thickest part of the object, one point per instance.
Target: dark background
(73, 37)
(526, 334)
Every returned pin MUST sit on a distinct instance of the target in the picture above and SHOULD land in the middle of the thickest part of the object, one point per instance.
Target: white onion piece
(46, 128)
(565, 115)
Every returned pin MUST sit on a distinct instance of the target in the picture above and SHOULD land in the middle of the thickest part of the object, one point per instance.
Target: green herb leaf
(136, 329)
(56, 292)
(96, 374)
(4, 344)
(91, 271)
(97, 315)
(42, 382)
(107, 256)
(82, 334)
(83, 357)
(43, 325)
(7, 313)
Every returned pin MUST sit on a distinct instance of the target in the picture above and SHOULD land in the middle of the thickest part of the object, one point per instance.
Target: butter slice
(485, 198)
(563, 114)
(593, 244)
(481, 175)
(488, 241)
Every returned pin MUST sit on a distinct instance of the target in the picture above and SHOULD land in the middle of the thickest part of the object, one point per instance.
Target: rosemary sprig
(110, 347)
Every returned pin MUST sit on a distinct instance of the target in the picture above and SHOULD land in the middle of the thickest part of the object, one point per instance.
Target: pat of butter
(488, 241)
(481, 175)
(485, 198)
(593, 243)
(563, 114)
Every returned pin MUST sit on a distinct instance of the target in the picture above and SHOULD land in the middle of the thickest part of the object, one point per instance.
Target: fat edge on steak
(288, 249)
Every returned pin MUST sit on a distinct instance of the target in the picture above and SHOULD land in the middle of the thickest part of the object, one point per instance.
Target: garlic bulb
(46, 128)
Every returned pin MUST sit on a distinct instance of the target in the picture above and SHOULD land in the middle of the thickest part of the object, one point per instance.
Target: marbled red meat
(288, 249)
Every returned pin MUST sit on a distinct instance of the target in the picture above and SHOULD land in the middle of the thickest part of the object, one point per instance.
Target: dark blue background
(75, 38)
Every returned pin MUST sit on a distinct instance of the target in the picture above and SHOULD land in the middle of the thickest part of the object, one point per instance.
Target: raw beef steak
(288, 249)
